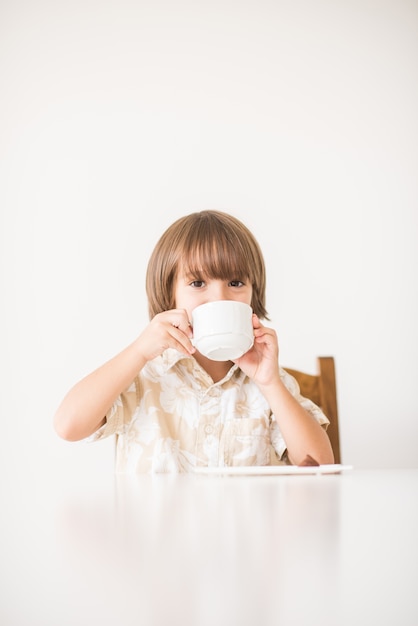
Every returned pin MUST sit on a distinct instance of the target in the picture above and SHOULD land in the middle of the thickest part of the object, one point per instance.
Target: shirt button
(208, 429)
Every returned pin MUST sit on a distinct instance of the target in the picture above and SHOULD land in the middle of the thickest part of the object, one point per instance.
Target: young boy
(172, 408)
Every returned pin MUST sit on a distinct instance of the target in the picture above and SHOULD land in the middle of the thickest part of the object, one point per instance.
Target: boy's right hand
(169, 329)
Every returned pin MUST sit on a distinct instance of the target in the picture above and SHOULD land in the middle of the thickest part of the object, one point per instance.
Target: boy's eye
(198, 284)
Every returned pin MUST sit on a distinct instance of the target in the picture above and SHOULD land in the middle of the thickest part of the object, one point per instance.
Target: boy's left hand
(261, 362)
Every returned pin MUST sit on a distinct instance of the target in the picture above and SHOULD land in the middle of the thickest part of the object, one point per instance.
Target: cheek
(249, 297)
(181, 300)
(177, 294)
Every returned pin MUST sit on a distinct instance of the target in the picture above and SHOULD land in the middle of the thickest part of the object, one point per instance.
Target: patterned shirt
(173, 417)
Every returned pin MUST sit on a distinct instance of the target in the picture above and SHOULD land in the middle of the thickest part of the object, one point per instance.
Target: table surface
(211, 550)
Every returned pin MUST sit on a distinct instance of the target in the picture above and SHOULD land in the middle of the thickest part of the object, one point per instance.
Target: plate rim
(277, 470)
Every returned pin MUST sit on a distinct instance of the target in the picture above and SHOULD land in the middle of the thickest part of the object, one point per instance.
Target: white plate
(273, 470)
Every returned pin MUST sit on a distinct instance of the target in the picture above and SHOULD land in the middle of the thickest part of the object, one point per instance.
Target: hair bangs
(216, 253)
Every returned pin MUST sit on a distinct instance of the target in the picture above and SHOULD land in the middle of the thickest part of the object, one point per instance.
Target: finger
(182, 338)
(178, 318)
(184, 327)
(256, 322)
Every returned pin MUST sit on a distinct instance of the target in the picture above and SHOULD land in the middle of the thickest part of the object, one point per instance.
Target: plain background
(298, 117)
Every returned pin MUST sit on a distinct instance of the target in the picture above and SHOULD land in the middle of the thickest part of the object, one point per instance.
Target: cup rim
(217, 302)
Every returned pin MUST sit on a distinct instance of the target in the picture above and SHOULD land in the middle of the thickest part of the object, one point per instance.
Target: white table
(195, 550)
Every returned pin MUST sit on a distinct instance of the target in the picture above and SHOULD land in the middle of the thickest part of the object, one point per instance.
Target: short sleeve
(120, 413)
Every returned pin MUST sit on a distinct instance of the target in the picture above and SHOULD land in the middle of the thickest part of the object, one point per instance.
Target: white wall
(116, 117)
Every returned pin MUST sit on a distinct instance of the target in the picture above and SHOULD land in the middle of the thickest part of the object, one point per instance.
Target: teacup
(223, 329)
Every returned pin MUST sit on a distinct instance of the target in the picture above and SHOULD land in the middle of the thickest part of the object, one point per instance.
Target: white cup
(223, 329)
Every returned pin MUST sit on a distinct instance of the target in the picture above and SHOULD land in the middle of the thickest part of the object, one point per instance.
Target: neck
(216, 369)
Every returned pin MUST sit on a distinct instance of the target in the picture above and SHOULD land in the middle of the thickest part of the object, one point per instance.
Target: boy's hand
(169, 329)
(261, 362)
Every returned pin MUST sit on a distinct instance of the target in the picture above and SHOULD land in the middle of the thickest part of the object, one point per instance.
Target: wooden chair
(321, 388)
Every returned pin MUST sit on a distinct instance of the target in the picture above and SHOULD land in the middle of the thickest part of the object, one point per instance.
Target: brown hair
(209, 244)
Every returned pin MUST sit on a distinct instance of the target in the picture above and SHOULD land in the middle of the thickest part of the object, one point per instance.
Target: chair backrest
(321, 388)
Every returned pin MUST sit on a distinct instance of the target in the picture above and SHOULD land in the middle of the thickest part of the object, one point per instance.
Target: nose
(219, 291)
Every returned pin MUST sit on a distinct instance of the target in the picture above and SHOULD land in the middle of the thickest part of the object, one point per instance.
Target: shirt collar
(171, 357)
